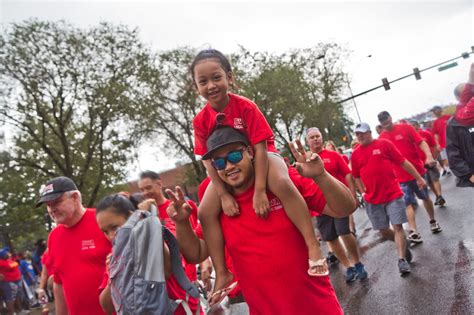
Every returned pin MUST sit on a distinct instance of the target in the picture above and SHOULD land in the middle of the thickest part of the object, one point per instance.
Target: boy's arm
(193, 249)
(338, 197)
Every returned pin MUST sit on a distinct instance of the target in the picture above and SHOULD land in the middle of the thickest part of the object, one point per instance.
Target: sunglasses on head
(233, 157)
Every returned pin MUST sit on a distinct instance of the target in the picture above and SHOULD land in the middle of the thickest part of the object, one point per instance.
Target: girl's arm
(260, 201)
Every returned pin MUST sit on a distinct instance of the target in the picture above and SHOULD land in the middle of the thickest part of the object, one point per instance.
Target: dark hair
(116, 203)
(211, 54)
(150, 175)
(383, 116)
(136, 199)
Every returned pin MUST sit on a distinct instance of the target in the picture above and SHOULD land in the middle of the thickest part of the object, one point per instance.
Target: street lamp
(353, 99)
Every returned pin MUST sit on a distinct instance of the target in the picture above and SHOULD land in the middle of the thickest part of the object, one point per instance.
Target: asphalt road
(441, 281)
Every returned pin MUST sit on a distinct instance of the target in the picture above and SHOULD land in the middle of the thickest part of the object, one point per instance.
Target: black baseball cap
(54, 188)
(436, 108)
(383, 116)
(221, 137)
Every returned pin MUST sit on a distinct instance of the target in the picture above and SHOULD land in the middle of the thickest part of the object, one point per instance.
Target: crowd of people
(251, 245)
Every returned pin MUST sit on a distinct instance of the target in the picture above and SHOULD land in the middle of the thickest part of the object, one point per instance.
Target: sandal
(313, 264)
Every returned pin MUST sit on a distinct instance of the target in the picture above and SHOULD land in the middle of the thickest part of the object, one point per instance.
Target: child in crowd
(213, 77)
(465, 95)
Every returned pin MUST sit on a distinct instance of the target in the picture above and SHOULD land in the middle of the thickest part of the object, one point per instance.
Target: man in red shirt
(77, 249)
(334, 230)
(439, 131)
(10, 279)
(432, 173)
(408, 142)
(373, 170)
(268, 254)
(152, 188)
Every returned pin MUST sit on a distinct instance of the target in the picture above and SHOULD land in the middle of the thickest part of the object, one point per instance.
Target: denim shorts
(11, 290)
(410, 189)
(384, 214)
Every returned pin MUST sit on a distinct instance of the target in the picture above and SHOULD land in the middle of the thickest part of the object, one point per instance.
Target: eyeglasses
(233, 157)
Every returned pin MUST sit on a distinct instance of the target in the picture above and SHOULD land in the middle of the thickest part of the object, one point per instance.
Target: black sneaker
(440, 201)
(436, 203)
(403, 267)
(415, 238)
(331, 259)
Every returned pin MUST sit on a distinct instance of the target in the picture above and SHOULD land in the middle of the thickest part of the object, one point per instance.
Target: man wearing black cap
(77, 248)
(408, 141)
(268, 254)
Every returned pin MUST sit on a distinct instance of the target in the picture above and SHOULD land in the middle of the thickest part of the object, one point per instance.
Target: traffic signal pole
(386, 83)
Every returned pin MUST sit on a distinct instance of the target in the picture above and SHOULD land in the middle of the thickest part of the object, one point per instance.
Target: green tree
(70, 97)
(171, 105)
(296, 89)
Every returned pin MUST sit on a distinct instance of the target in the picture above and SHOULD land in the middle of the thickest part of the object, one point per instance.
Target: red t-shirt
(407, 141)
(271, 260)
(439, 128)
(10, 270)
(335, 165)
(175, 291)
(374, 165)
(345, 158)
(78, 255)
(241, 114)
(429, 139)
(46, 261)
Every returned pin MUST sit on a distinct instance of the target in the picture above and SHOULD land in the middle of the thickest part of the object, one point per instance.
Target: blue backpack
(137, 277)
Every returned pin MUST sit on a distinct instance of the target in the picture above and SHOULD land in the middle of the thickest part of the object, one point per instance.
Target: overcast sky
(398, 35)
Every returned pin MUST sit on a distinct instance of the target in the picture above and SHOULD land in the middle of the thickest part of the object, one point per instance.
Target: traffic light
(385, 83)
(416, 71)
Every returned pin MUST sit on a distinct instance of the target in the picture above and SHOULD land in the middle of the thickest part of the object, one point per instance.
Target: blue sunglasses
(233, 157)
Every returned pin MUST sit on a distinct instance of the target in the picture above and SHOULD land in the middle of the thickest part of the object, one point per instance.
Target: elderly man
(269, 255)
(77, 249)
(409, 142)
(373, 170)
(334, 230)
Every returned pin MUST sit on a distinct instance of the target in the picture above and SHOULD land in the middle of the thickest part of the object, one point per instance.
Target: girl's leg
(209, 211)
(280, 184)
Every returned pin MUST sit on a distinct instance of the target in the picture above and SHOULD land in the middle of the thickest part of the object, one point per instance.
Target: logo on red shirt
(398, 137)
(239, 123)
(326, 161)
(376, 151)
(87, 244)
(275, 204)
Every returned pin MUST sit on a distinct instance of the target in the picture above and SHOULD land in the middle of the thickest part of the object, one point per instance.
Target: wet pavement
(441, 281)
